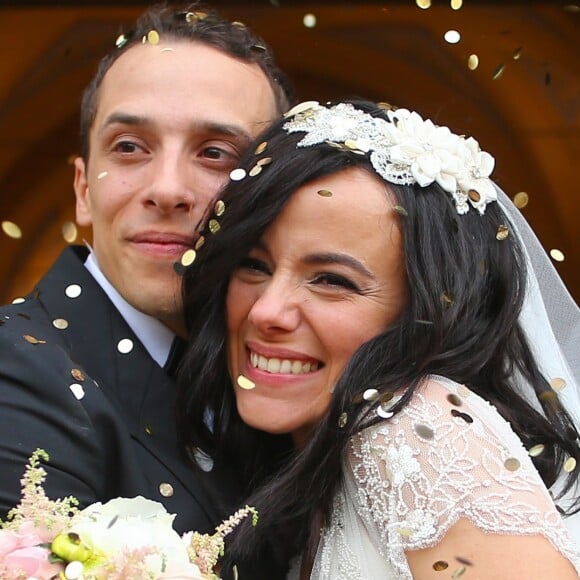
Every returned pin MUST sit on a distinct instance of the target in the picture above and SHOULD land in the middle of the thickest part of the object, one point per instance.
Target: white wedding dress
(447, 455)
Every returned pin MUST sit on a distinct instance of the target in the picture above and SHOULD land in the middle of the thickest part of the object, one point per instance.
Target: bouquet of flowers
(125, 538)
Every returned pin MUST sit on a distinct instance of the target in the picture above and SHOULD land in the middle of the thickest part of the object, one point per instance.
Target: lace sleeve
(447, 455)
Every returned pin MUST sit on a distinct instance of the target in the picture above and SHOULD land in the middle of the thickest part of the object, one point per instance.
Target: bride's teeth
(274, 365)
(313, 367)
(296, 367)
(262, 363)
(306, 368)
(286, 367)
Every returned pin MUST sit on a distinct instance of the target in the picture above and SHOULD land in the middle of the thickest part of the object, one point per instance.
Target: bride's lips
(163, 244)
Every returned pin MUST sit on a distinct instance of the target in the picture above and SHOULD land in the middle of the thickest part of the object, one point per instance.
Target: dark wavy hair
(190, 22)
(466, 284)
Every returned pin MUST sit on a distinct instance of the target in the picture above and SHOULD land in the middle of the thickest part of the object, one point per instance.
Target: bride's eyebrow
(338, 258)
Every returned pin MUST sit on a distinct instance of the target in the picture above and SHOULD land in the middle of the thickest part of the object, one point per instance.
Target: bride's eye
(253, 265)
(328, 279)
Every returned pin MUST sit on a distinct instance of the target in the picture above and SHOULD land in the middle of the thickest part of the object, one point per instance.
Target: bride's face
(326, 277)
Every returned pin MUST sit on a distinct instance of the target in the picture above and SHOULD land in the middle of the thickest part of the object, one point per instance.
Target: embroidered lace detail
(447, 455)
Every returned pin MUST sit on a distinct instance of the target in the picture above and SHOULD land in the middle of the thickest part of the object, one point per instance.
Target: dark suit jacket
(116, 436)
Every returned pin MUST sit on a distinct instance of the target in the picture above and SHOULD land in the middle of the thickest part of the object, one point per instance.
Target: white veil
(551, 321)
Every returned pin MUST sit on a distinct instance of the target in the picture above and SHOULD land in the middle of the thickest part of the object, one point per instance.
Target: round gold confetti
(237, 174)
(324, 193)
(424, 4)
(256, 170)
(73, 291)
(459, 572)
(498, 72)
(558, 383)
(264, 161)
(370, 395)
(77, 390)
(401, 210)
(77, 375)
(342, 420)
(33, 340)
(121, 41)
(245, 383)
(557, 255)
(405, 532)
(102, 175)
(452, 36)
(309, 20)
(300, 108)
(188, 258)
(570, 465)
(455, 400)
(153, 37)
(518, 53)
(383, 412)
(440, 565)
(60, 323)
(214, 226)
(11, 230)
(536, 450)
(74, 570)
(200, 242)
(456, 4)
(69, 232)
(511, 464)
(18, 300)
(125, 346)
(502, 233)
(424, 431)
(472, 62)
(166, 489)
(219, 208)
(473, 195)
(521, 199)
(261, 148)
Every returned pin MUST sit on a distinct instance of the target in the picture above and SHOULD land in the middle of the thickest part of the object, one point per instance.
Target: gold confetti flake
(188, 257)
(558, 383)
(261, 148)
(557, 255)
(447, 299)
(11, 230)
(33, 340)
(102, 175)
(518, 53)
(256, 170)
(167, 49)
(309, 20)
(200, 242)
(245, 383)
(192, 17)
(467, 418)
(18, 300)
(570, 465)
(121, 41)
(456, 4)
(423, 4)
(502, 233)
(264, 161)
(166, 489)
(473, 195)
(153, 37)
(463, 391)
(459, 572)
(324, 193)
(214, 226)
(69, 232)
(219, 208)
(405, 532)
(498, 72)
(424, 431)
(536, 450)
(386, 106)
(125, 346)
(455, 400)
(300, 108)
(472, 62)
(383, 411)
(401, 210)
(237, 174)
(440, 565)
(427, 322)
(521, 199)
(77, 375)
(258, 48)
(342, 420)
(452, 36)
(370, 395)
(238, 24)
(60, 323)
(148, 430)
(511, 464)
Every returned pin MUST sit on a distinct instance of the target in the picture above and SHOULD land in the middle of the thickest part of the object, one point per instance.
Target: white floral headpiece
(404, 151)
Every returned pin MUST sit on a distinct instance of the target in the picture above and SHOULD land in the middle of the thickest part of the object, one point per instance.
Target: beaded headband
(407, 150)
